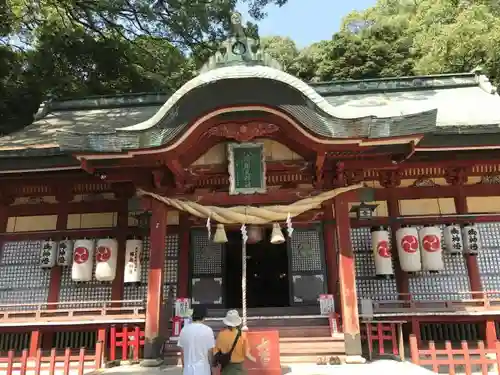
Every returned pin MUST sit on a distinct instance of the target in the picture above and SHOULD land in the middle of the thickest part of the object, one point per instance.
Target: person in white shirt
(197, 341)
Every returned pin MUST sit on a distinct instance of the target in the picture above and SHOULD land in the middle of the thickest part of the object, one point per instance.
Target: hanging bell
(277, 235)
(220, 234)
(254, 234)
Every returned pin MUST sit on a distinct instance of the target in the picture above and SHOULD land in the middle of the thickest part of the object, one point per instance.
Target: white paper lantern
(381, 248)
(408, 249)
(472, 239)
(48, 254)
(64, 252)
(106, 256)
(133, 251)
(453, 242)
(83, 260)
(431, 251)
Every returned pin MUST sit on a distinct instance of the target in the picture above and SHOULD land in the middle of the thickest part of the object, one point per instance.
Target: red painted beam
(71, 233)
(72, 208)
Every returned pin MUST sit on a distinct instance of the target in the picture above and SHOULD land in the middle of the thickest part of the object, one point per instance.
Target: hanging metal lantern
(220, 234)
(277, 235)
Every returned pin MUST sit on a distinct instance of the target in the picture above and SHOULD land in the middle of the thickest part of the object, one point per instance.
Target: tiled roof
(462, 103)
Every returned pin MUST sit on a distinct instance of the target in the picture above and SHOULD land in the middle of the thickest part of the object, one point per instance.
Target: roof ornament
(239, 49)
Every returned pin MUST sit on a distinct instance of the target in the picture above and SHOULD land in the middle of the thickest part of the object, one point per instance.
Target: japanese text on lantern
(456, 238)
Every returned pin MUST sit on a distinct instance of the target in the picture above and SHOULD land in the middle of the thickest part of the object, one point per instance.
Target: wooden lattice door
(206, 270)
(306, 266)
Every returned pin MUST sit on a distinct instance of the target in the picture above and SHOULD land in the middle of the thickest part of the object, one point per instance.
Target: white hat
(232, 319)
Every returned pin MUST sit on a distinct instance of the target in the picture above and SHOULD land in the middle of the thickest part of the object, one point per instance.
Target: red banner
(265, 347)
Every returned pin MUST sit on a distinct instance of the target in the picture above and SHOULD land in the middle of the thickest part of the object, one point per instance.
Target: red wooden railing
(67, 363)
(469, 359)
(79, 310)
(129, 341)
(381, 336)
(410, 304)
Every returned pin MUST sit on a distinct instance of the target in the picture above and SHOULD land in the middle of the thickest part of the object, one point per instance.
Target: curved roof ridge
(239, 72)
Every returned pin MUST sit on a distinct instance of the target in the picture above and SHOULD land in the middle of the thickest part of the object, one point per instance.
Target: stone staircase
(304, 338)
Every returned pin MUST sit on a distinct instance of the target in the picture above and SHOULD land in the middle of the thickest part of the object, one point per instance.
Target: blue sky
(307, 21)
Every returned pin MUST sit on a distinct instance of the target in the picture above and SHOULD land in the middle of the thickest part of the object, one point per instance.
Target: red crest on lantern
(103, 254)
(409, 244)
(80, 255)
(431, 243)
(383, 249)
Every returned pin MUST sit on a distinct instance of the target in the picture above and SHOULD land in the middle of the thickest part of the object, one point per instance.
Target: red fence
(68, 363)
(382, 337)
(467, 359)
(129, 341)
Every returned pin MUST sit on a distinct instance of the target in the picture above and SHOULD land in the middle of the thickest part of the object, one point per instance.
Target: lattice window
(306, 250)
(367, 284)
(22, 280)
(135, 292)
(489, 253)
(376, 289)
(444, 287)
(207, 256)
(86, 293)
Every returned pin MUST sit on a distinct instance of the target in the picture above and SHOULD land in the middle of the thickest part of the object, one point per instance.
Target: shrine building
(383, 193)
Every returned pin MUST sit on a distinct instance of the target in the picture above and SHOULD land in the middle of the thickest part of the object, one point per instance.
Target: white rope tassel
(244, 237)
(209, 228)
(289, 226)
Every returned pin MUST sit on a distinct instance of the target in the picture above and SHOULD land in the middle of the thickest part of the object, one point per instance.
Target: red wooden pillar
(347, 278)
(154, 307)
(35, 342)
(331, 252)
(184, 229)
(122, 225)
(401, 277)
(491, 334)
(470, 260)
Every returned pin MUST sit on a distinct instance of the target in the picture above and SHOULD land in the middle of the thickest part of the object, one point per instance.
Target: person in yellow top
(225, 340)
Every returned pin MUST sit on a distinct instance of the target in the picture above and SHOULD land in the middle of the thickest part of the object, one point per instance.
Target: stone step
(311, 359)
(335, 337)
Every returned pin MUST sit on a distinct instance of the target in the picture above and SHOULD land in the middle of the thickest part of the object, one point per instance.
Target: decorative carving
(389, 179)
(424, 182)
(319, 164)
(354, 176)
(490, 179)
(339, 178)
(243, 132)
(158, 175)
(123, 191)
(456, 176)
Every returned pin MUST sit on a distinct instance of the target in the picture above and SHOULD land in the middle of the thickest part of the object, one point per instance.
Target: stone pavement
(377, 367)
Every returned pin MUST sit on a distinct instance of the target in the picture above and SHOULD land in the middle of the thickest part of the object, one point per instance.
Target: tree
(283, 49)
(74, 48)
(444, 36)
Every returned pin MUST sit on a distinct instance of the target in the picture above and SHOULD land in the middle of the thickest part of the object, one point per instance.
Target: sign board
(182, 307)
(265, 347)
(247, 173)
(326, 304)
